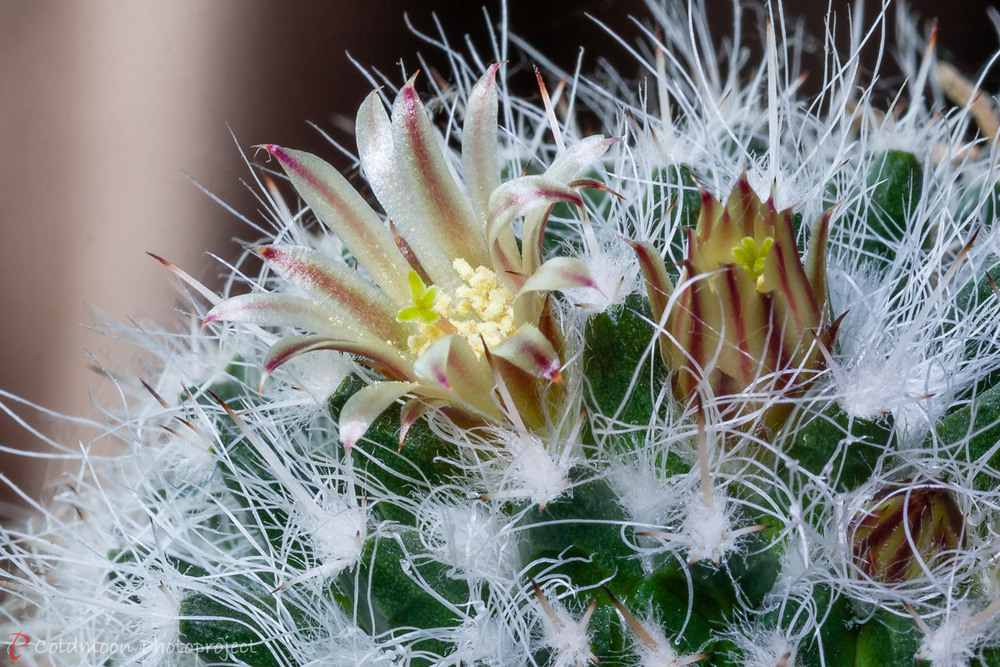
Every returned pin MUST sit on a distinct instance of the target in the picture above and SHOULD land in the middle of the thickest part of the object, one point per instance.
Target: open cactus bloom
(448, 300)
(748, 317)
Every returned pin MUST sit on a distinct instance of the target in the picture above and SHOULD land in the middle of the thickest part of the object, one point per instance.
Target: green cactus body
(896, 182)
(976, 426)
(617, 347)
(843, 448)
(224, 636)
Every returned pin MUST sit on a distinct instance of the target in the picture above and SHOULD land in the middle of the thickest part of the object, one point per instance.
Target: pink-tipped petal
(265, 309)
(479, 143)
(795, 287)
(593, 184)
(563, 172)
(742, 205)
(364, 407)
(816, 259)
(412, 410)
(344, 211)
(479, 153)
(450, 363)
(532, 236)
(532, 352)
(559, 273)
(382, 163)
(654, 271)
(435, 198)
(514, 199)
(336, 283)
(432, 366)
(377, 354)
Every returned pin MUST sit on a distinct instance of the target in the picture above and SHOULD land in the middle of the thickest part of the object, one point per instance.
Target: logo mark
(18, 636)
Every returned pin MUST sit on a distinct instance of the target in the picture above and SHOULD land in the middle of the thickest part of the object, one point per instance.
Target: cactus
(717, 387)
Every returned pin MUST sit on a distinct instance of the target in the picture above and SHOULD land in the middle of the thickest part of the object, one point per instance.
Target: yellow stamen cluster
(482, 309)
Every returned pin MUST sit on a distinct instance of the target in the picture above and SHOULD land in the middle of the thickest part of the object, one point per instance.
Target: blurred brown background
(105, 103)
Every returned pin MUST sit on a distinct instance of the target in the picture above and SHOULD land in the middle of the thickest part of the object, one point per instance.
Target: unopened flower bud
(748, 314)
(907, 529)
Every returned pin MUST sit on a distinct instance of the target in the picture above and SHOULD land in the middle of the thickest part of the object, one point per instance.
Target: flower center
(751, 257)
(480, 310)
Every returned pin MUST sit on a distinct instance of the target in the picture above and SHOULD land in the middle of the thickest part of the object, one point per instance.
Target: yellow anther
(481, 309)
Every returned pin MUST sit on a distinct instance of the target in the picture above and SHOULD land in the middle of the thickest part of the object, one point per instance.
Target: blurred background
(105, 104)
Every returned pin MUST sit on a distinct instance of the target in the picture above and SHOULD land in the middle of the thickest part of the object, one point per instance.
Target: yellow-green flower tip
(423, 298)
(751, 257)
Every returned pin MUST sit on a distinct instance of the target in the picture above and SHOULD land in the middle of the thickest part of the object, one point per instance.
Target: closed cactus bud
(906, 529)
(749, 314)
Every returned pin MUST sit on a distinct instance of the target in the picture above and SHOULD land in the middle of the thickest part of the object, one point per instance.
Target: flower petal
(557, 274)
(563, 171)
(479, 143)
(344, 211)
(654, 272)
(577, 158)
(384, 358)
(266, 309)
(796, 296)
(381, 163)
(531, 351)
(783, 269)
(479, 153)
(434, 197)
(336, 283)
(512, 200)
(816, 259)
(411, 411)
(532, 234)
(364, 407)
(744, 354)
(451, 364)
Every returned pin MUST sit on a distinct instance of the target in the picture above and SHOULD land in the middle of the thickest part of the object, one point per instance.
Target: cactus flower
(747, 321)
(444, 283)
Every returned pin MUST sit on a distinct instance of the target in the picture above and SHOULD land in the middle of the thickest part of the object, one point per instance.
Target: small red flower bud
(906, 529)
